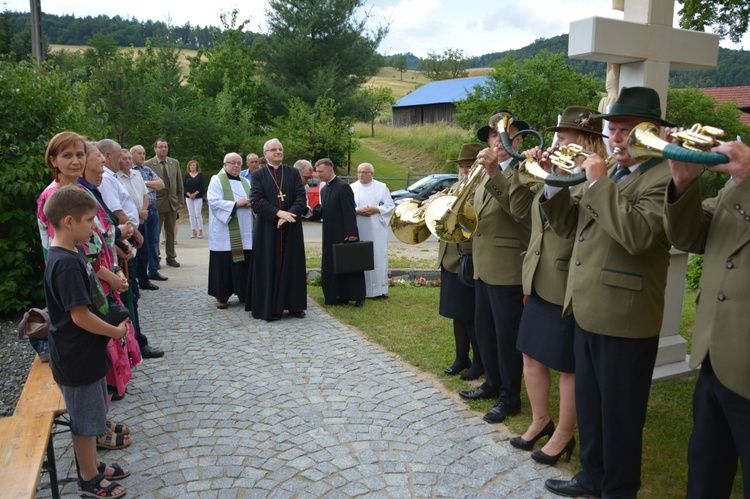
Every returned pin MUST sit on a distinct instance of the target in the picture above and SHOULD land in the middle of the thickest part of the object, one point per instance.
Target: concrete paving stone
(199, 485)
(336, 481)
(354, 489)
(396, 492)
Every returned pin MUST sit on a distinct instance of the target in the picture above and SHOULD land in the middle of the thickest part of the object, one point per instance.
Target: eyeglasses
(275, 149)
(233, 163)
(364, 173)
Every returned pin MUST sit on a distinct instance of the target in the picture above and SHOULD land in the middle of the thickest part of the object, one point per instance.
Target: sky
(416, 26)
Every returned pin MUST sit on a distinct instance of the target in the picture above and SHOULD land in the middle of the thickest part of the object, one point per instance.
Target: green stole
(235, 237)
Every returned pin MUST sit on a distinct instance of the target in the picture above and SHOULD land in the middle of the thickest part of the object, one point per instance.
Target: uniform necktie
(620, 174)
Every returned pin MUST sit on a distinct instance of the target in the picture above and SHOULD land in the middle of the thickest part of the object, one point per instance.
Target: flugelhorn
(644, 143)
(501, 122)
(562, 159)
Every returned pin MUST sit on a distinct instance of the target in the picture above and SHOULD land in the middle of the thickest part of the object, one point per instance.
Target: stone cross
(639, 51)
(644, 45)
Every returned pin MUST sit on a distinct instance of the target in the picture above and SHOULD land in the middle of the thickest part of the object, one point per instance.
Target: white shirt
(116, 197)
(135, 186)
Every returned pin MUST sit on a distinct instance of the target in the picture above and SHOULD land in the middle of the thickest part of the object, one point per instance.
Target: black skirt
(456, 300)
(546, 336)
(227, 278)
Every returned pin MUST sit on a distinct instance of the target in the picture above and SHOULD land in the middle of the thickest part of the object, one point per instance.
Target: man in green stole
(230, 232)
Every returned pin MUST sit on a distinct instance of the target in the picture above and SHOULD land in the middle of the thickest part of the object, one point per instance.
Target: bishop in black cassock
(278, 269)
(339, 215)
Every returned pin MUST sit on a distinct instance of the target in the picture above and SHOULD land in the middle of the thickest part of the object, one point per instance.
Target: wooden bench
(40, 397)
(24, 439)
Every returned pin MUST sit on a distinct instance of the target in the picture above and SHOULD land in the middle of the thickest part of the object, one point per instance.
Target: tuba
(408, 223)
(449, 216)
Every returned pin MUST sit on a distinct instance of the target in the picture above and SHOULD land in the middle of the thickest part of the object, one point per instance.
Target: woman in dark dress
(457, 299)
(545, 337)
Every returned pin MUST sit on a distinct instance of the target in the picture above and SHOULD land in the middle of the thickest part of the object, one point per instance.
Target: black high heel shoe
(541, 457)
(456, 368)
(520, 443)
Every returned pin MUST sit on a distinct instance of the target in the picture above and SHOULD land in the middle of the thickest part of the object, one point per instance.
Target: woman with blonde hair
(545, 337)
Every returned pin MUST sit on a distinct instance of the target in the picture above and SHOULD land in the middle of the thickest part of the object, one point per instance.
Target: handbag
(466, 270)
(353, 257)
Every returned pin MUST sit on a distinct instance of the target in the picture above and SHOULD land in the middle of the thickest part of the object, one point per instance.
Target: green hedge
(36, 104)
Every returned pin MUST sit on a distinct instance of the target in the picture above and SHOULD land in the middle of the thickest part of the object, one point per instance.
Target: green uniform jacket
(501, 239)
(173, 195)
(546, 263)
(618, 270)
(719, 228)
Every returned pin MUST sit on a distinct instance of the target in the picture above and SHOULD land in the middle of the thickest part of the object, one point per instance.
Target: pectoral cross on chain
(281, 196)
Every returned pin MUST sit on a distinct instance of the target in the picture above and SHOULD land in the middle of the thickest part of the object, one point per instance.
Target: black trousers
(721, 435)
(613, 380)
(497, 315)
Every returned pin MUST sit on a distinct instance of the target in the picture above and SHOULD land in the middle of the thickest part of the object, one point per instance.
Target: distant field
(386, 77)
(185, 53)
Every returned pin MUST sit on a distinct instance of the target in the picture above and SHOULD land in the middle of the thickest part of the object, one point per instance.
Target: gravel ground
(16, 357)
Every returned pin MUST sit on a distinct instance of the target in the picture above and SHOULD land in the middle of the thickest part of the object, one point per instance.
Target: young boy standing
(78, 337)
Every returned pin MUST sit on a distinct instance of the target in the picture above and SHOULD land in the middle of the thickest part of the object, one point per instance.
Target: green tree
(318, 48)
(727, 18)
(374, 101)
(450, 64)
(536, 91)
(401, 64)
(36, 105)
(229, 72)
(314, 132)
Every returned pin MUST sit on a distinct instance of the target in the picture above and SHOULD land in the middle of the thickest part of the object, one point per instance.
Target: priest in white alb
(374, 206)
(230, 232)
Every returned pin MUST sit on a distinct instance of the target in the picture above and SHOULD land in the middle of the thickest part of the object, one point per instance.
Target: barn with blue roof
(434, 102)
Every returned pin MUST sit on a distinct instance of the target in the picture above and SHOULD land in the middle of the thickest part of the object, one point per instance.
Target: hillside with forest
(733, 67)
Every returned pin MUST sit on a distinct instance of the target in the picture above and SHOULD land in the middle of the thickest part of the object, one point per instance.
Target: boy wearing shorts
(78, 337)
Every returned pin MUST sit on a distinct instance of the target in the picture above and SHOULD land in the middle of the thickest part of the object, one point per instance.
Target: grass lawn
(409, 326)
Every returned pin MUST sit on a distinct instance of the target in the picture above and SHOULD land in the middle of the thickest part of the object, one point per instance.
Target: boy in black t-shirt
(78, 337)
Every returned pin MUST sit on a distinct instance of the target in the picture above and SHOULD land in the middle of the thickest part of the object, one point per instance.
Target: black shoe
(541, 457)
(274, 318)
(173, 263)
(148, 285)
(456, 368)
(158, 277)
(479, 393)
(501, 411)
(476, 370)
(300, 315)
(520, 443)
(149, 352)
(359, 303)
(568, 488)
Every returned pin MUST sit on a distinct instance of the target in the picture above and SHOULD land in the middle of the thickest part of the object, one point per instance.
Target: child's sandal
(93, 488)
(119, 472)
(118, 428)
(112, 441)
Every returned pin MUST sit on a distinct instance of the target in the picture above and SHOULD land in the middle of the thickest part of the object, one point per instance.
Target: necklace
(278, 185)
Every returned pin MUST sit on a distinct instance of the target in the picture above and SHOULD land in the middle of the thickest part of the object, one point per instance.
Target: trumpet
(562, 159)
(501, 122)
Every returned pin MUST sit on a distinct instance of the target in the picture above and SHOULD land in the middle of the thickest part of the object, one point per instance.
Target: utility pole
(37, 40)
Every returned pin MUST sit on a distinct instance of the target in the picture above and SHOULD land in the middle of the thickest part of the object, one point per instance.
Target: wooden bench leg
(51, 466)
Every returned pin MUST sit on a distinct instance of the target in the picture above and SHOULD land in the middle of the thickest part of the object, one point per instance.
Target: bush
(694, 271)
(36, 104)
